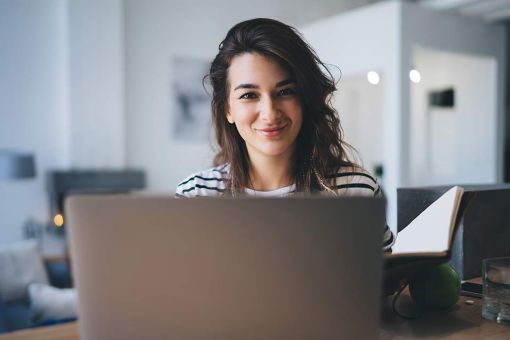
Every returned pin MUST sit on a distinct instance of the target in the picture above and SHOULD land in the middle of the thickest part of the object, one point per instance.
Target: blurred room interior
(107, 95)
(98, 86)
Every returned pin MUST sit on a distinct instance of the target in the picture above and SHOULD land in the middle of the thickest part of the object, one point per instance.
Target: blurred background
(106, 95)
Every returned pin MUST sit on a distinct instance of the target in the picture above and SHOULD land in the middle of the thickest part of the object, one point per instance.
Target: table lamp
(16, 165)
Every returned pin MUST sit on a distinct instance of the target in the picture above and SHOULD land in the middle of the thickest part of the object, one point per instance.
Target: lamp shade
(16, 165)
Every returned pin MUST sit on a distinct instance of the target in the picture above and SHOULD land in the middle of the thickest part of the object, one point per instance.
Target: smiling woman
(276, 130)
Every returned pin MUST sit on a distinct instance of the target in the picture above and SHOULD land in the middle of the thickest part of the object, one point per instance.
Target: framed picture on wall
(191, 112)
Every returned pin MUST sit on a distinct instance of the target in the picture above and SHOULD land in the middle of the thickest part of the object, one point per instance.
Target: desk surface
(461, 322)
(68, 331)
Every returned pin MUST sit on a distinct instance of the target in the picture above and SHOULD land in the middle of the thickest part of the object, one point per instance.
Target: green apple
(436, 288)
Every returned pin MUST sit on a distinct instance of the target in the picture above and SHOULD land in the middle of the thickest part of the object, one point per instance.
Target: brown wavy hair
(320, 151)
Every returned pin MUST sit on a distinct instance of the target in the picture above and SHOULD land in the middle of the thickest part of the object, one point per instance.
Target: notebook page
(430, 232)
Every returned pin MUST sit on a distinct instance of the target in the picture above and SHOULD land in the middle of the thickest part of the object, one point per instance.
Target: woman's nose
(269, 110)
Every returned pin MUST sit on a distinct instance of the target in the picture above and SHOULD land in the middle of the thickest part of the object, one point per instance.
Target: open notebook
(427, 240)
(431, 232)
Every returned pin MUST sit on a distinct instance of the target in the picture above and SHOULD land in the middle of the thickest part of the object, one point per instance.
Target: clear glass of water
(496, 289)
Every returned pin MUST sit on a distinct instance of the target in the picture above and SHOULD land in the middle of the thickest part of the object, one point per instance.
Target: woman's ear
(229, 117)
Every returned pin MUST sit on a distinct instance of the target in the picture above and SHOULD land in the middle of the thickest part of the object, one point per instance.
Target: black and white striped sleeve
(388, 236)
(210, 182)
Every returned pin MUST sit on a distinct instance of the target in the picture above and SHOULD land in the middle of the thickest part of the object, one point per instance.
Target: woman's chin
(275, 151)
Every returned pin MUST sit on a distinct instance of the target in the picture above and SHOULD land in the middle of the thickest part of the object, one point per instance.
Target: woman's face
(264, 105)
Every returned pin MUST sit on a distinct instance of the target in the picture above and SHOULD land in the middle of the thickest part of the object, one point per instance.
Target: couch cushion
(20, 264)
(14, 315)
(4, 327)
(59, 274)
(49, 303)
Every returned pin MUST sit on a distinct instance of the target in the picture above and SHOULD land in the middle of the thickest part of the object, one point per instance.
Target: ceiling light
(415, 76)
(373, 77)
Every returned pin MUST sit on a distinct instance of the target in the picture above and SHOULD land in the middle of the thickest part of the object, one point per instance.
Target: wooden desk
(461, 322)
(67, 331)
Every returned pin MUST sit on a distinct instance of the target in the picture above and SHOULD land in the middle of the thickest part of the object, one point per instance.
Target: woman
(275, 127)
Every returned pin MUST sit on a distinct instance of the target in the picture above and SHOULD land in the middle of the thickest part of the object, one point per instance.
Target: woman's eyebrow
(285, 82)
(246, 86)
(253, 86)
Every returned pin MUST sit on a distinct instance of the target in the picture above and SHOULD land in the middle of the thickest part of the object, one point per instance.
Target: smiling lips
(272, 131)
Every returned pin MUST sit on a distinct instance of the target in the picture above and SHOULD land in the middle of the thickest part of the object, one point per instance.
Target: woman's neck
(270, 173)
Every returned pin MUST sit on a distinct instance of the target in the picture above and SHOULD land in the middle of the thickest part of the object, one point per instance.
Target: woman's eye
(249, 95)
(287, 92)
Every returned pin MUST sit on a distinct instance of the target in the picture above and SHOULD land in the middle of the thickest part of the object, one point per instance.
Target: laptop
(223, 268)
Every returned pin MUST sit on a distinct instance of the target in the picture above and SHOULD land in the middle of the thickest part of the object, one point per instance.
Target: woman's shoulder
(356, 181)
(209, 182)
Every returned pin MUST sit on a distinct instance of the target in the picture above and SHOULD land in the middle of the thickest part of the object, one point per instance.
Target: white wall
(359, 105)
(96, 83)
(61, 95)
(453, 145)
(461, 35)
(156, 31)
(33, 115)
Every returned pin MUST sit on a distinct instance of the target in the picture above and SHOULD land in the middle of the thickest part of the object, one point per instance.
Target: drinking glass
(496, 289)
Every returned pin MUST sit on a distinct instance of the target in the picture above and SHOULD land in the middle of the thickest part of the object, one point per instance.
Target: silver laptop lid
(163, 268)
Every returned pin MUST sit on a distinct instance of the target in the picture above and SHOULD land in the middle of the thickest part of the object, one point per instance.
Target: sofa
(22, 308)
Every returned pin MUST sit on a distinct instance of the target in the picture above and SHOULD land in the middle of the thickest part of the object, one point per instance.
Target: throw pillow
(20, 264)
(49, 303)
